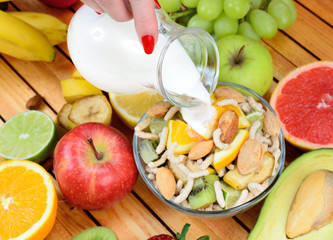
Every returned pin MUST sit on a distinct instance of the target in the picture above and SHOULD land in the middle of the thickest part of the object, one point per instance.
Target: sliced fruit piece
(202, 194)
(28, 135)
(94, 108)
(255, 116)
(211, 178)
(272, 220)
(303, 101)
(147, 151)
(76, 88)
(62, 116)
(223, 158)
(130, 108)
(157, 124)
(230, 194)
(96, 233)
(184, 135)
(240, 182)
(243, 121)
(28, 200)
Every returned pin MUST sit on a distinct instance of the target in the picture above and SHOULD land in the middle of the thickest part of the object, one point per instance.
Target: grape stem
(264, 4)
(174, 16)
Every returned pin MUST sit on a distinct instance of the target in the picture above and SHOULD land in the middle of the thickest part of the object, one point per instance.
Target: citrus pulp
(303, 101)
(28, 135)
(28, 200)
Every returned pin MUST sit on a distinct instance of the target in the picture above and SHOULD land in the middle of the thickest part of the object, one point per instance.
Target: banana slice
(62, 116)
(94, 108)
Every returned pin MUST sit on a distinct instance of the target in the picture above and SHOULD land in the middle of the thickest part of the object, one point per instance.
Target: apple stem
(98, 155)
(239, 55)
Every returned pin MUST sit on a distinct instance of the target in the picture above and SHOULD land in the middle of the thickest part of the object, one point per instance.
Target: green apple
(246, 62)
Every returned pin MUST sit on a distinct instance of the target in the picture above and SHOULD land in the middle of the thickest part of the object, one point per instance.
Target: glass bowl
(141, 165)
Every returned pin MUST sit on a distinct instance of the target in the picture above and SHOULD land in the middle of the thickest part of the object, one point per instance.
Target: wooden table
(141, 215)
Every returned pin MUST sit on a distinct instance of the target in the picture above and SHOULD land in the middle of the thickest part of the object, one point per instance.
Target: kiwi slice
(202, 194)
(147, 151)
(96, 233)
(157, 124)
(211, 178)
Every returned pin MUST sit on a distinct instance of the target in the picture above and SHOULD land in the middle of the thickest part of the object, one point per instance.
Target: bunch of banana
(31, 36)
(54, 29)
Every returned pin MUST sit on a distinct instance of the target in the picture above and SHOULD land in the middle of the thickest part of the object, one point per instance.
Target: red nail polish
(157, 4)
(148, 43)
(98, 13)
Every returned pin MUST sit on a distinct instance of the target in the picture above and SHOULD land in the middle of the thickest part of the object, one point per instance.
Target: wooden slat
(312, 33)
(323, 8)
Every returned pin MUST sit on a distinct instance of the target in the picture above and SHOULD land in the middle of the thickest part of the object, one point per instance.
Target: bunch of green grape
(250, 18)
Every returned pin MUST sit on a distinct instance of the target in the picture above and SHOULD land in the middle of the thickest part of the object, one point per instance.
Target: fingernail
(98, 13)
(148, 43)
(157, 4)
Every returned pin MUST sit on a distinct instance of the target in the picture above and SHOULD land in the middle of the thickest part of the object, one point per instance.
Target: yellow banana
(54, 29)
(21, 40)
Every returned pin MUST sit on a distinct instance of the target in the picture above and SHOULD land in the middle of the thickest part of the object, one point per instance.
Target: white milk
(109, 55)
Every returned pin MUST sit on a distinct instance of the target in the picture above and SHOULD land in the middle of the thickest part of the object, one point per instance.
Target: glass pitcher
(184, 66)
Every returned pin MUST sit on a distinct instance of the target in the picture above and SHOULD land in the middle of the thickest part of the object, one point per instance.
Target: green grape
(246, 30)
(281, 13)
(255, 4)
(170, 5)
(209, 9)
(236, 9)
(197, 21)
(225, 25)
(263, 23)
(293, 10)
(190, 3)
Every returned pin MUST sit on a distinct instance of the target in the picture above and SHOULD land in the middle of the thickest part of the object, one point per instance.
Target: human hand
(143, 12)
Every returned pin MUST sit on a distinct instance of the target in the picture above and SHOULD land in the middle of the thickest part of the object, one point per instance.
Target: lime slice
(28, 135)
(255, 116)
(230, 194)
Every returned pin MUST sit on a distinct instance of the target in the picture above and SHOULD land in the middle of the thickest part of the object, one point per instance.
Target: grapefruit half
(303, 101)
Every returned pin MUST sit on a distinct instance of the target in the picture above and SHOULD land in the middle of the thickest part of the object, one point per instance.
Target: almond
(228, 123)
(250, 157)
(201, 149)
(34, 102)
(271, 124)
(166, 182)
(159, 109)
(229, 93)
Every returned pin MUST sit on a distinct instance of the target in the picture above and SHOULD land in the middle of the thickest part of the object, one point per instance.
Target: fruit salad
(221, 163)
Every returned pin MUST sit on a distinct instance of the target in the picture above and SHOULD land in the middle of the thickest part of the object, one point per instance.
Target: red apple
(59, 3)
(94, 166)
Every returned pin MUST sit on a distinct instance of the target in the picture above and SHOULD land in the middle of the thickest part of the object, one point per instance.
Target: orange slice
(184, 135)
(243, 122)
(223, 158)
(28, 200)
